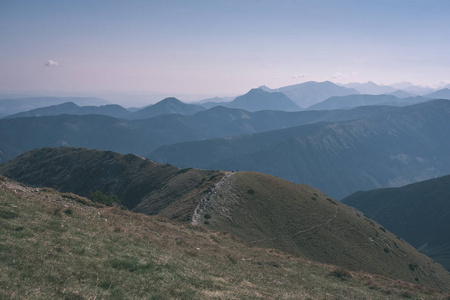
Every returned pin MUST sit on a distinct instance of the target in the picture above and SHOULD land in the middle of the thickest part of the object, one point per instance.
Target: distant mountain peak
(169, 100)
(170, 105)
(265, 88)
(258, 99)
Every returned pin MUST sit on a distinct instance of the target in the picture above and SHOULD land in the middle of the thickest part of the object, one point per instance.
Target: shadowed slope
(418, 212)
(133, 179)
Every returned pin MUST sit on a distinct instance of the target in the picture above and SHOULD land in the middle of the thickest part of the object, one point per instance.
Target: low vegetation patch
(108, 200)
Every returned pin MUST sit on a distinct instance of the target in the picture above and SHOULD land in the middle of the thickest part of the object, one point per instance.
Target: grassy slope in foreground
(261, 209)
(56, 245)
(270, 212)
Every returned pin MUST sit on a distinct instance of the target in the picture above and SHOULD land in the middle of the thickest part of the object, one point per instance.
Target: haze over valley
(224, 150)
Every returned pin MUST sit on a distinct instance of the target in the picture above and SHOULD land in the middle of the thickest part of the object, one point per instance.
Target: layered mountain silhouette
(391, 148)
(262, 210)
(311, 92)
(419, 213)
(350, 101)
(370, 88)
(152, 133)
(94, 131)
(402, 94)
(71, 108)
(440, 94)
(13, 106)
(257, 99)
(166, 106)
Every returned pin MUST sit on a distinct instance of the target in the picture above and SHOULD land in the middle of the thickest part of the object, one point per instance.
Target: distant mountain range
(302, 149)
(288, 98)
(18, 135)
(70, 108)
(440, 94)
(257, 100)
(311, 92)
(166, 106)
(418, 213)
(392, 147)
(13, 106)
(351, 101)
(258, 209)
(370, 88)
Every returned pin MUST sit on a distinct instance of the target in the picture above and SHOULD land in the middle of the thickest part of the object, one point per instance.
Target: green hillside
(262, 210)
(418, 212)
(140, 184)
(266, 211)
(61, 246)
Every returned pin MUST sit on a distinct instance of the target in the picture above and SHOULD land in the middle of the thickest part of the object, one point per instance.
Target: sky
(213, 47)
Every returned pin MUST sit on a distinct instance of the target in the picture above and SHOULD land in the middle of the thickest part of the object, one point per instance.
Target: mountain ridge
(405, 144)
(262, 210)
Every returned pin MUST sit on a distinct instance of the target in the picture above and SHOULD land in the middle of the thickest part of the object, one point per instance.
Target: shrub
(341, 273)
(6, 214)
(251, 191)
(386, 250)
(331, 201)
(109, 200)
(382, 229)
(207, 216)
(68, 211)
(412, 267)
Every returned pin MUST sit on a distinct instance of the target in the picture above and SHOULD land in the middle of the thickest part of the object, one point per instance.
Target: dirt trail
(301, 231)
(204, 202)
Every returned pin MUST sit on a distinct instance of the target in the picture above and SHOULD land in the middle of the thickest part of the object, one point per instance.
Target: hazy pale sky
(219, 47)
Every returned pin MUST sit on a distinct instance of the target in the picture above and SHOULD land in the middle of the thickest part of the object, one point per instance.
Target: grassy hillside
(270, 212)
(61, 246)
(139, 183)
(262, 210)
(418, 212)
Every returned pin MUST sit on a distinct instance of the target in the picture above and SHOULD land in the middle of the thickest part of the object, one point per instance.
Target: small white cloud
(51, 63)
(344, 75)
(298, 76)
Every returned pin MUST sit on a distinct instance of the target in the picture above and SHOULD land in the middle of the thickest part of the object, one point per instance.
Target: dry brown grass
(109, 253)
